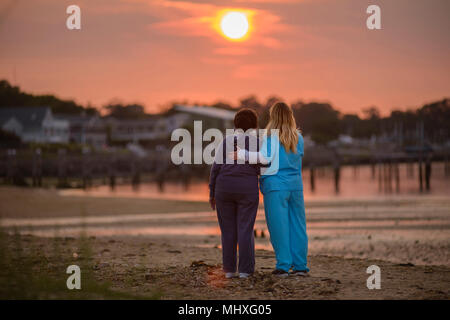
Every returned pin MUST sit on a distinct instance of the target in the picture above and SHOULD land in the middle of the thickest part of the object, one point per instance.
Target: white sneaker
(244, 275)
(230, 275)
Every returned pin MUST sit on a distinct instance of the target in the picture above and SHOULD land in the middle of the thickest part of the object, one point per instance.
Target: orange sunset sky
(156, 51)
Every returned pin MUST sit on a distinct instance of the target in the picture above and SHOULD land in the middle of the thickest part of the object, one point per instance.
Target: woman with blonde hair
(282, 187)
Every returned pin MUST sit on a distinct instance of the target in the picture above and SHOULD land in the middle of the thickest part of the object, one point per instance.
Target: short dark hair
(246, 119)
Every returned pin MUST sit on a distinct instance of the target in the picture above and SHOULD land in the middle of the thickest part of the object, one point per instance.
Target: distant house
(85, 129)
(175, 121)
(155, 127)
(132, 130)
(213, 117)
(34, 124)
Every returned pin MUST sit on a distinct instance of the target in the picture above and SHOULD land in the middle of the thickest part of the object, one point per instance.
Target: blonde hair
(282, 118)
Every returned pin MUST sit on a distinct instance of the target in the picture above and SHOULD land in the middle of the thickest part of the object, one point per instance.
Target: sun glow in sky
(234, 25)
(177, 50)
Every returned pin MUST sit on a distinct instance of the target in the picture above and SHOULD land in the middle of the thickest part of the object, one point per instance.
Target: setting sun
(234, 25)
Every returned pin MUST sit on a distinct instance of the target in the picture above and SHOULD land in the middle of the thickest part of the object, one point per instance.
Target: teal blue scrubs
(284, 205)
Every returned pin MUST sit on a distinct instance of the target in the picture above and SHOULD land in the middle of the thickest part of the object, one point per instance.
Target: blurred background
(86, 118)
(68, 146)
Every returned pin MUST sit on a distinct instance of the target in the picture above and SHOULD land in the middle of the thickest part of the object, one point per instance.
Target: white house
(85, 129)
(145, 129)
(34, 124)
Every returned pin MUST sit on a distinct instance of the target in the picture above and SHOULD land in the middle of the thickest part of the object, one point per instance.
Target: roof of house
(207, 111)
(79, 119)
(29, 117)
(150, 118)
(73, 117)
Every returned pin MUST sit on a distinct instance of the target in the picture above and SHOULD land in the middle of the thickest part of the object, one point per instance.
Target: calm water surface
(355, 182)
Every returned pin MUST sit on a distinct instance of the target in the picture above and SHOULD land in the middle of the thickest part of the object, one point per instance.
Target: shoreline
(408, 240)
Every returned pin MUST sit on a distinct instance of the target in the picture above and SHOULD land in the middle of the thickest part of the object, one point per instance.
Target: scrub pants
(285, 217)
(236, 213)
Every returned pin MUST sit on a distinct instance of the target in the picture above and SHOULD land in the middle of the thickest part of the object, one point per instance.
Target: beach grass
(29, 271)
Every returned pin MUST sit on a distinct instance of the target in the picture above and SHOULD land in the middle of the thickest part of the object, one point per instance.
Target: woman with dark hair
(234, 191)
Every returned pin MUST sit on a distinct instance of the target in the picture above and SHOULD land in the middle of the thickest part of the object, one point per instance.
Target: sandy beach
(167, 249)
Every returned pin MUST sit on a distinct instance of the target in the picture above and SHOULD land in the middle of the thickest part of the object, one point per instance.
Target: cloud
(190, 19)
(232, 51)
(220, 61)
(259, 71)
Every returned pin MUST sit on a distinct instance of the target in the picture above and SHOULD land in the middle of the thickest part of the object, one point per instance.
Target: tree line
(321, 121)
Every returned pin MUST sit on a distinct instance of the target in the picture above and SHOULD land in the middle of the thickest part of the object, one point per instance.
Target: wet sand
(174, 268)
(145, 245)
